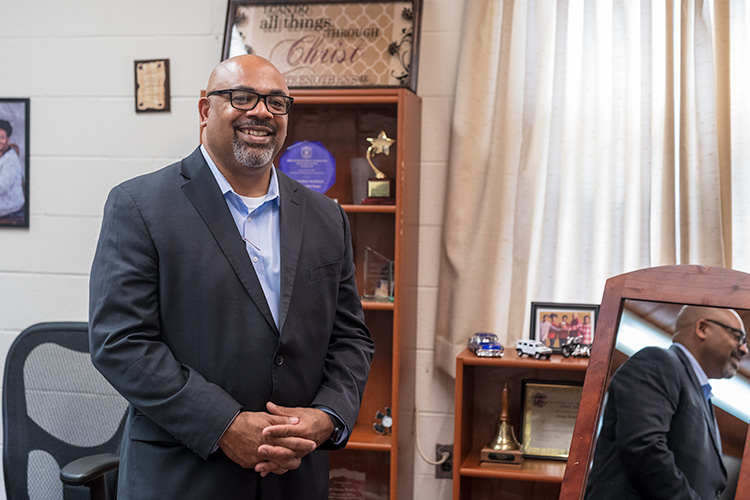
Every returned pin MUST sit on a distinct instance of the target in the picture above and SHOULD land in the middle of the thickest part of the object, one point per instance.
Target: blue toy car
(486, 345)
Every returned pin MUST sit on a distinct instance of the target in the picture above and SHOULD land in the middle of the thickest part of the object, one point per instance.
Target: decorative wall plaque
(361, 43)
(152, 85)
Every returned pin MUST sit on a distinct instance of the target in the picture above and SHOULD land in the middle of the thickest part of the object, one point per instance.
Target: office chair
(62, 421)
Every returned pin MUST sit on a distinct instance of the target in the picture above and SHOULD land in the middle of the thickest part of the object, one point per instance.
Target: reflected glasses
(736, 332)
(246, 100)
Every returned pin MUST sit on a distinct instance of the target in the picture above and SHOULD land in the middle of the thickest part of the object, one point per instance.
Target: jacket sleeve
(124, 326)
(350, 349)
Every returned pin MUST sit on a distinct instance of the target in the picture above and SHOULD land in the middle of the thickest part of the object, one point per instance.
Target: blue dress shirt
(257, 221)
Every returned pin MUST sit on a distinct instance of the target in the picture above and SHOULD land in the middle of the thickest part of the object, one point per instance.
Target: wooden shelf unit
(342, 120)
(479, 383)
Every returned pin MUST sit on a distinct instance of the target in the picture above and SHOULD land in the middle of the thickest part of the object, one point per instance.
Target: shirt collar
(228, 192)
(702, 377)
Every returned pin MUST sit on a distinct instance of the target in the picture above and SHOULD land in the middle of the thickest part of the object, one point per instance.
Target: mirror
(654, 295)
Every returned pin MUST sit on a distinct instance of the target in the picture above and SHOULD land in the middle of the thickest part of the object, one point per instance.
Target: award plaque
(380, 189)
(310, 164)
(549, 416)
(378, 282)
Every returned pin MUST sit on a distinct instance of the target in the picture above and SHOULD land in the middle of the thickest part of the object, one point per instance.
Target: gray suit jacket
(180, 326)
(658, 438)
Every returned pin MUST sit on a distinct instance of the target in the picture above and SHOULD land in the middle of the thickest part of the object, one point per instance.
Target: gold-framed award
(549, 416)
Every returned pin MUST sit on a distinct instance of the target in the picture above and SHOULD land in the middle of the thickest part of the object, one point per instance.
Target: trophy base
(491, 458)
(378, 201)
(380, 188)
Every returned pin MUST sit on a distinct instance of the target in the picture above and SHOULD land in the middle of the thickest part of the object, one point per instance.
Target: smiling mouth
(257, 129)
(254, 132)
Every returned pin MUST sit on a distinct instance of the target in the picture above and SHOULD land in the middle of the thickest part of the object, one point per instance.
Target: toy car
(486, 345)
(533, 348)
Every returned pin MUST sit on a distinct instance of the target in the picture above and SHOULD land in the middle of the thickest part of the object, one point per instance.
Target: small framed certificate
(549, 416)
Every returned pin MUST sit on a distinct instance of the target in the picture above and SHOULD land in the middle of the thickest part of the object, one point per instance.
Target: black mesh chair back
(56, 408)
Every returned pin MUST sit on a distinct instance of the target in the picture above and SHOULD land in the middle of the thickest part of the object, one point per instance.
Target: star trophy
(504, 450)
(379, 188)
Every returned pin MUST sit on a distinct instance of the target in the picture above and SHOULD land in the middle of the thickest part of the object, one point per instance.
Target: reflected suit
(658, 438)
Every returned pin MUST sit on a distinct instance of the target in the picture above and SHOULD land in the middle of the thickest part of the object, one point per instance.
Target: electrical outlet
(444, 470)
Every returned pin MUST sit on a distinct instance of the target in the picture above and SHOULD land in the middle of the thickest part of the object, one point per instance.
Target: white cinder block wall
(74, 59)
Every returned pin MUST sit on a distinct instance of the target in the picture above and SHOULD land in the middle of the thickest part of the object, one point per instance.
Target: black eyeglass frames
(736, 332)
(246, 100)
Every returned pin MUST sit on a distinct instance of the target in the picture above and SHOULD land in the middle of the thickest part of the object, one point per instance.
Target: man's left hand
(314, 424)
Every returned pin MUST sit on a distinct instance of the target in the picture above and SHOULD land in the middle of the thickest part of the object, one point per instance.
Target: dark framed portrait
(14, 162)
(557, 324)
(329, 44)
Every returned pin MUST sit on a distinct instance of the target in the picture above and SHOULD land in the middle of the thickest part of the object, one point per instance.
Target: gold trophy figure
(380, 187)
(504, 448)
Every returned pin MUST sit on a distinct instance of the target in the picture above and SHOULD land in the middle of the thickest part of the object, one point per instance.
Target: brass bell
(505, 439)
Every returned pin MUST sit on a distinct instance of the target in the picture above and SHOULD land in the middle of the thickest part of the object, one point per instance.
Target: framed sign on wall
(331, 44)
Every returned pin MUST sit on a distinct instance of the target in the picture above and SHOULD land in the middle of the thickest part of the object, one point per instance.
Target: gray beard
(252, 156)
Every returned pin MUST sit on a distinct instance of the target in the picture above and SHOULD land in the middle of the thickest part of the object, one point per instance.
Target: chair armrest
(85, 469)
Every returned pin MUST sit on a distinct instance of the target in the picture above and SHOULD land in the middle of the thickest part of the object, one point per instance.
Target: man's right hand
(244, 436)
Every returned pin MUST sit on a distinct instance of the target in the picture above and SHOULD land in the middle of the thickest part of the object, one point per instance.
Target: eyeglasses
(246, 100)
(736, 332)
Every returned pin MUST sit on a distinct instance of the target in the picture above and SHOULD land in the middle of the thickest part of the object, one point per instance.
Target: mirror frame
(680, 284)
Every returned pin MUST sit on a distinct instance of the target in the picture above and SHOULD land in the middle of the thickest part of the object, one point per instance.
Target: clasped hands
(275, 442)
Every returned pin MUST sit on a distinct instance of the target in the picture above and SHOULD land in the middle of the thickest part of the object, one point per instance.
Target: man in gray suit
(224, 308)
(659, 438)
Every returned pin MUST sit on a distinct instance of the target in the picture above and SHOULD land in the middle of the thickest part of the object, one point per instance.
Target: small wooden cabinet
(478, 404)
(342, 120)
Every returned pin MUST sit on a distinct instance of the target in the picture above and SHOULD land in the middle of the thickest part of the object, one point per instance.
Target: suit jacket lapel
(201, 189)
(291, 223)
(707, 409)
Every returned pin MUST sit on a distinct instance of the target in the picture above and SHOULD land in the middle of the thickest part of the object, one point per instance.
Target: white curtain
(569, 144)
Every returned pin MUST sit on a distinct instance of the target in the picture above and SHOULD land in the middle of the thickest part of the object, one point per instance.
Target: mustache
(254, 122)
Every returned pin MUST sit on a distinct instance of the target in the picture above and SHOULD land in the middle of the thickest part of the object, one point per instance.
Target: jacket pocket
(325, 271)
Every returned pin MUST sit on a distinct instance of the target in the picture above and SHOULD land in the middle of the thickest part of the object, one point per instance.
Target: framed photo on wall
(554, 324)
(329, 43)
(14, 162)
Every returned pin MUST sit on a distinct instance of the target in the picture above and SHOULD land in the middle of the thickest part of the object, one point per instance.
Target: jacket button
(279, 360)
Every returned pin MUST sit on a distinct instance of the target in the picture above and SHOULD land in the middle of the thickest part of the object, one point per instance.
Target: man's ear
(700, 329)
(203, 107)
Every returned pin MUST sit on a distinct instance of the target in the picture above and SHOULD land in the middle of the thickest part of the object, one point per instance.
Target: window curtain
(575, 157)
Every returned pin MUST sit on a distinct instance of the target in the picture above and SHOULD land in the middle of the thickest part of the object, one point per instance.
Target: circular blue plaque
(310, 164)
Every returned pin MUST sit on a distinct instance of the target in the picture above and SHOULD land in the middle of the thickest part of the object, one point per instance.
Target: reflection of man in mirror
(11, 173)
(659, 437)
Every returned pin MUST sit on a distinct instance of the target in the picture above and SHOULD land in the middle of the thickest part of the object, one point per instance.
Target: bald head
(227, 73)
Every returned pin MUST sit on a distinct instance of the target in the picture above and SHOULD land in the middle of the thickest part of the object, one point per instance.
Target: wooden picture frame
(553, 323)
(330, 44)
(14, 161)
(679, 284)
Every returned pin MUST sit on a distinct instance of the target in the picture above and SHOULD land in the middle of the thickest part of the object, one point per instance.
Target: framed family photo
(555, 323)
(329, 44)
(14, 162)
